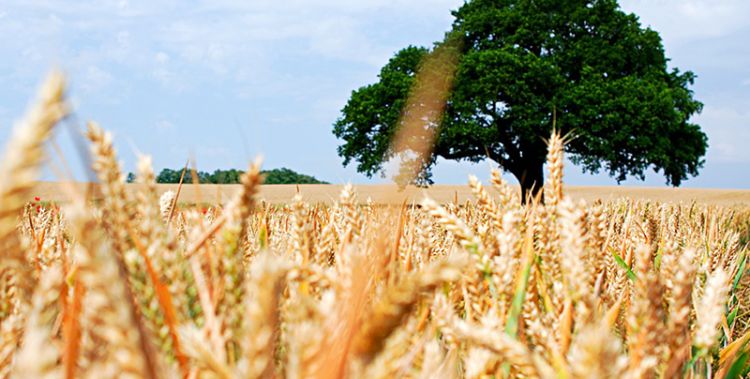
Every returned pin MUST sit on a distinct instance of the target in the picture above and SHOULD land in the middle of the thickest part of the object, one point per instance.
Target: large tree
(584, 65)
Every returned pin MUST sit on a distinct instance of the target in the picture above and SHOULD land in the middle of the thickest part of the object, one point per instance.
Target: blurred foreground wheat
(132, 287)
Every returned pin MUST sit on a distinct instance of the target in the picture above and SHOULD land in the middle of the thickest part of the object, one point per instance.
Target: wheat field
(383, 194)
(127, 284)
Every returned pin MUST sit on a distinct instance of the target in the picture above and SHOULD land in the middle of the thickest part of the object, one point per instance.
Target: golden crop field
(324, 284)
(389, 194)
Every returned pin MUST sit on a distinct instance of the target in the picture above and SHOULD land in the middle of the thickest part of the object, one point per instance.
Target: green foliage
(370, 117)
(585, 63)
(232, 176)
(169, 176)
(287, 176)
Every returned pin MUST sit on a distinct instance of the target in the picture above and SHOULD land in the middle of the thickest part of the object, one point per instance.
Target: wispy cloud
(216, 39)
(285, 68)
(682, 21)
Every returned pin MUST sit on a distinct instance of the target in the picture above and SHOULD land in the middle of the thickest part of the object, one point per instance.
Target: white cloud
(325, 7)
(682, 21)
(95, 79)
(207, 41)
(163, 73)
(161, 57)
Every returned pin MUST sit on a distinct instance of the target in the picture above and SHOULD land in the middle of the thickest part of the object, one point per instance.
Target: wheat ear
(19, 169)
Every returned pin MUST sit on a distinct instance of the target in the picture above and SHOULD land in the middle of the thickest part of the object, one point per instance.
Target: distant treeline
(232, 176)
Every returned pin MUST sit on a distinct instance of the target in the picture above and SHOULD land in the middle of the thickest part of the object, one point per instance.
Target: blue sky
(222, 81)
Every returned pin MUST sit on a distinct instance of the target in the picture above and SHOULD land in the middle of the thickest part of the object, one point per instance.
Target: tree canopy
(232, 176)
(583, 65)
(287, 176)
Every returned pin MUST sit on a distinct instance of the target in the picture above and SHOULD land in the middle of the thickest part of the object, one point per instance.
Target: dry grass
(332, 286)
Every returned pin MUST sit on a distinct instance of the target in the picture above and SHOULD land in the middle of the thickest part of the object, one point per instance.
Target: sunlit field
(213, 194)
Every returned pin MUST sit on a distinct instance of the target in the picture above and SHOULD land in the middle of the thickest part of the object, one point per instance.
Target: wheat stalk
(18, 170)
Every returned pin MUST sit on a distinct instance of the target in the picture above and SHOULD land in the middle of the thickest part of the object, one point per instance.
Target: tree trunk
(531, 178)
